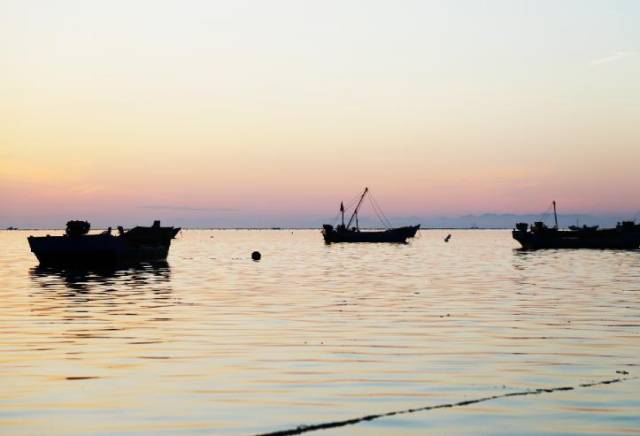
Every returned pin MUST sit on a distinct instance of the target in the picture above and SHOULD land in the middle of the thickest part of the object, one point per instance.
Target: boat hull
(104, 249)
(397, 235)
(598, 239)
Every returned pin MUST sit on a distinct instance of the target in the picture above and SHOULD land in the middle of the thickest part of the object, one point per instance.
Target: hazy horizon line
(488, 221)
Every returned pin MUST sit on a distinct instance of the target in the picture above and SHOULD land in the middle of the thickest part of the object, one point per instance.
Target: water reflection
(142, 290)
(85, 279)
(312, 334)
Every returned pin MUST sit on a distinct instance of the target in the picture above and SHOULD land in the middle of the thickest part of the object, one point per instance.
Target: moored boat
(626, 235)
(78, 247)
(346, 233)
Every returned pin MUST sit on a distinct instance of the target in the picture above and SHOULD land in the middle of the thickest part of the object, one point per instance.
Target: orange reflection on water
(316, 333)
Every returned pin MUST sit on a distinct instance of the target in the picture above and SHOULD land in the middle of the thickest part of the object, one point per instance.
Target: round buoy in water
(256, 255)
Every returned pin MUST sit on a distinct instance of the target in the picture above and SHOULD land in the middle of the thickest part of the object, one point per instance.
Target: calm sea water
(213, 342)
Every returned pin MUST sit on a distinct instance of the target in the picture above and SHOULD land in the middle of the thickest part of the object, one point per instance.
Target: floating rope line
(333, 424)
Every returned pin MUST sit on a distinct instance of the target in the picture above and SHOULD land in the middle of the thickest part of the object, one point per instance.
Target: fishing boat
(78, 247)
(626, 235)
(346, 233)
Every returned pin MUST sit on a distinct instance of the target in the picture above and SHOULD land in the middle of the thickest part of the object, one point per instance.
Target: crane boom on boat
(355, 211)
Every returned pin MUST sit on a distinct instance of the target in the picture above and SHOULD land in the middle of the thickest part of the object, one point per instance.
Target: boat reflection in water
(93, 312)
(81, 279)
(346, 233)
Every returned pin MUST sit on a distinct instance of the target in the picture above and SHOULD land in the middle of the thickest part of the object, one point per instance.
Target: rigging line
(546, 213)
(386, 221)
(355, 211)
(335, 219)
(377, 214)
(383, 214)
(353, 201)
(377, 211)
(347, 207)
(350, 204)
(381, 211)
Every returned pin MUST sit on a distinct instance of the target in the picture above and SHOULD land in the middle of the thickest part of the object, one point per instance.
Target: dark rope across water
(333, 424)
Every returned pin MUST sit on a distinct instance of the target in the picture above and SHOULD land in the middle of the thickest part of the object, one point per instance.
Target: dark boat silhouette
(346, 233)
(77, 247)
(626, 235)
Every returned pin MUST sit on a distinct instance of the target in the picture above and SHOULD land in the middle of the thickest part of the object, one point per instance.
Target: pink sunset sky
(224, 112)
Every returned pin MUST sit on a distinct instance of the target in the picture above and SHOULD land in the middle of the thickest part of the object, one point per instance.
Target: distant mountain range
(501, 221)
(240, 220)
(483, 221)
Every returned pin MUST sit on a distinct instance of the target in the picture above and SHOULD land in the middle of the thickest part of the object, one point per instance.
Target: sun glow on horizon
(121, 109)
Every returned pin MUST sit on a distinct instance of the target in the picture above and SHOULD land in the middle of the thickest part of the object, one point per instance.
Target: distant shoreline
(271, 228)
(485, 221)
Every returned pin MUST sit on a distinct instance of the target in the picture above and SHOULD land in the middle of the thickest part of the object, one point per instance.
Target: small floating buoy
(447, 238)
(256, 255)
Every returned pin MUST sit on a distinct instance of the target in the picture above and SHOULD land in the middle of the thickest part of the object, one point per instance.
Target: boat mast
(555, 215)
(355, 212)
(342, 212)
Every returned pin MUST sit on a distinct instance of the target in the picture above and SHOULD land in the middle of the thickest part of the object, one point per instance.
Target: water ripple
(316, 333)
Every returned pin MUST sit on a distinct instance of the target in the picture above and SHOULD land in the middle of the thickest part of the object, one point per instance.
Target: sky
(252, 113)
